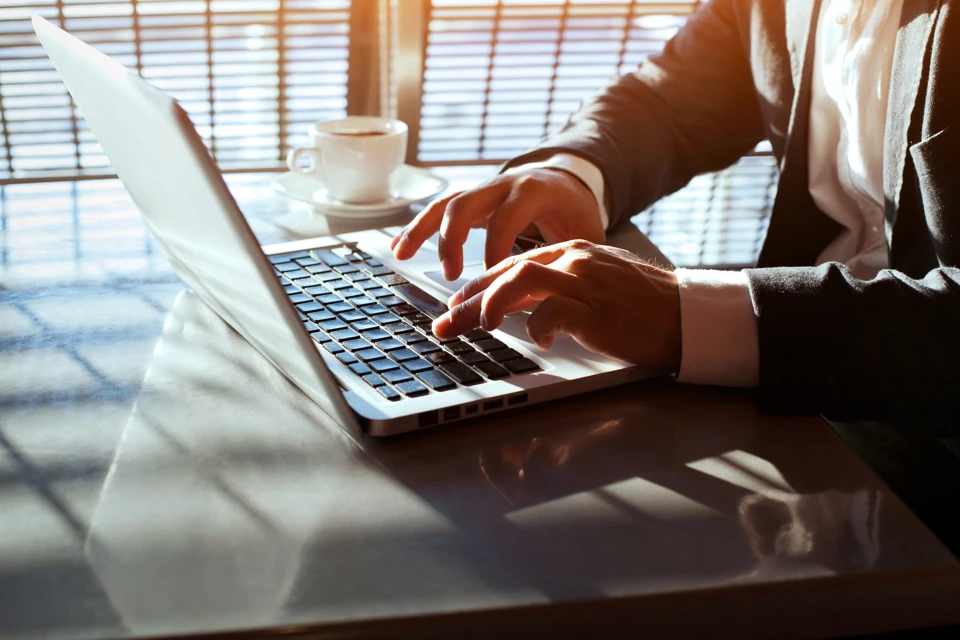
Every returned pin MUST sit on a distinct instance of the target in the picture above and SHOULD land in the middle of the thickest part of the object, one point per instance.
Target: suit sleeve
(690, 109)
(854, 349)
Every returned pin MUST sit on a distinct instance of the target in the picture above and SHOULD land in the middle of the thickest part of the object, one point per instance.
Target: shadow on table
(232, 502)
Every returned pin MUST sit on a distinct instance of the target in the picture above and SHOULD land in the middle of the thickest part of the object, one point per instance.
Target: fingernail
(483, 322)
(440, 323)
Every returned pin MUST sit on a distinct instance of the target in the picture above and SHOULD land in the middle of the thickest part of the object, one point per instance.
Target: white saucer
(410, 185)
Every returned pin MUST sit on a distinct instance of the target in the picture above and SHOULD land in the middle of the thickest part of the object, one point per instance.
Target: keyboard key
(412, 388)
(331, 325)
(304, 282)
(503, 355)
(359, 276)
(379, 270)
(353, 316)
(283, 267)
(373, 262)
(411, 338)
(328, 276)
(396, 375)
(346, 358)
(296, 274)
(363, 301)
(329, 298)
(492, 370)
(360, 369)
(374, 380)
(461, 373)
(379, 293)
(421, 299)
(318, 268)
(398, 328)
(344, 334)
(444, 341)
(402, 355)
(368, 355)
(489, 344)
(390, 344)
(392, 279)
(340, 307)
(302, 316)
(439, 357)
(299, 298)
(389, 393)
(474, 358)
(367, 284)
(392, 301)
(425, 347)
(333, 347)
(321, 337)
(321, 316)
(418, 365)
(521, 366)
(350, 293)
(336, 285)
(290, 290)
(382, 365)
(329, 257)
(357, 344)
(436, 380)
(307, 262)
(363, 325)
(280, 258)
(376, 334)
(310, 326)
(419, 319)
(405, 310)
(349, 268)
(307, 305)
(387, 318)
(476, 335)
(374, 309)
(461, 348)
(316, 290)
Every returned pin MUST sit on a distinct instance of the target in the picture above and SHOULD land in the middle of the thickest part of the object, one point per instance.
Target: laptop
(338, 316)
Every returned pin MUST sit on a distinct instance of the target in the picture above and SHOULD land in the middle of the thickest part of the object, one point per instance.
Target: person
(853, 310)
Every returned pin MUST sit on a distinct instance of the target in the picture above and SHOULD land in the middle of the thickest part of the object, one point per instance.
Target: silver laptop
(339, 316)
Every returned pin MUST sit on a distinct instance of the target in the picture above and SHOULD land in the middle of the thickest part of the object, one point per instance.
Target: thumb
(557, 313)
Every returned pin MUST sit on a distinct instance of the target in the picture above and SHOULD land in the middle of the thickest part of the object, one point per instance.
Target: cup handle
(294, 156)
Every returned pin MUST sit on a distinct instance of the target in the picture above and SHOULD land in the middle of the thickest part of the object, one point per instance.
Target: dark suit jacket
(730, 78)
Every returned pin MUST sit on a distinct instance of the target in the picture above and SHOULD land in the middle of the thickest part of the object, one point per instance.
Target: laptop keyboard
(379, 325)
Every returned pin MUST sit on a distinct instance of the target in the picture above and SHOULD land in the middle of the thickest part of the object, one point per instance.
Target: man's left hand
(607, 299)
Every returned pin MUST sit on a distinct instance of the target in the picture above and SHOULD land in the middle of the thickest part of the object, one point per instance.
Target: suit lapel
(798, 229)
(913, 41)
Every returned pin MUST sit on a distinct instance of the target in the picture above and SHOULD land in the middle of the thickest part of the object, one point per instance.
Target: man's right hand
(555, 202)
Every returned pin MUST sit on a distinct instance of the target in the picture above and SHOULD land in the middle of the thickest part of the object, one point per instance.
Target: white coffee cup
(354, 157)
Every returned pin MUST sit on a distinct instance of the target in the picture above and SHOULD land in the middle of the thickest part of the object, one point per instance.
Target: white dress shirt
(851, 78)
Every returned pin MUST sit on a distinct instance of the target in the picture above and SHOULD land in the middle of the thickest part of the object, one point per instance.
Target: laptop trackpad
(470, 271)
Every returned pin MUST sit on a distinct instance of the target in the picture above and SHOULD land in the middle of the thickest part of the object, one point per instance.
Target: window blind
(499, 74)
(251, 74)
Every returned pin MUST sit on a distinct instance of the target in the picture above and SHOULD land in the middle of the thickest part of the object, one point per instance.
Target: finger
(525, 280)
(543, 255)
(511, 218)
(464, 317)
(461, 214)
(554, 314)
(420, 228)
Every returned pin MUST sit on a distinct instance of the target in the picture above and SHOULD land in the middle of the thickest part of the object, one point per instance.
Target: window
(499, 74)
(251, 74)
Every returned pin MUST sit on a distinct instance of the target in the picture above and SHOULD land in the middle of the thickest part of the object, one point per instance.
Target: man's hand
(552, 200)
(607, 299)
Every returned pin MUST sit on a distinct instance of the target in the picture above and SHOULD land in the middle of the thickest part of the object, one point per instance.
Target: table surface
(157, 476)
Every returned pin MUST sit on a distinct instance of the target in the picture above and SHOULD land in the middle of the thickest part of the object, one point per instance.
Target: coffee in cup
(354, 157)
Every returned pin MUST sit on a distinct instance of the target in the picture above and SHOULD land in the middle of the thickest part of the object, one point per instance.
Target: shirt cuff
(584, 170)
(718, 329)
